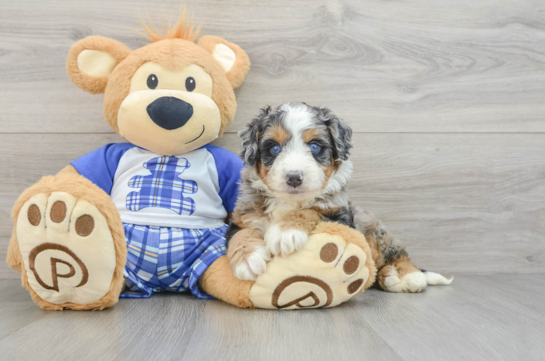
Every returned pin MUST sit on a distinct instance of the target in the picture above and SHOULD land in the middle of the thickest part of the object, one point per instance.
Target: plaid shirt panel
(163, 187)
(170, 259)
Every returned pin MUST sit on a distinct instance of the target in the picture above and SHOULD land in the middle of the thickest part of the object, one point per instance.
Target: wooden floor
(499, 317)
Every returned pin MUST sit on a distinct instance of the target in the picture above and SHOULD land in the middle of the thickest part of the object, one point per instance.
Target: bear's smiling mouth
(197, 137)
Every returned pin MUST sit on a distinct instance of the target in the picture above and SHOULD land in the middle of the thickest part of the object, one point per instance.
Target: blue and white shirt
(192, 190)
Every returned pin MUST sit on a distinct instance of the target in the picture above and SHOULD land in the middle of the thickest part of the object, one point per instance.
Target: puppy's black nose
(294, 179)
(169, 112)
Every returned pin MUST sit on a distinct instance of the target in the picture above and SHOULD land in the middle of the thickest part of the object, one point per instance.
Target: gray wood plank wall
(447, 102)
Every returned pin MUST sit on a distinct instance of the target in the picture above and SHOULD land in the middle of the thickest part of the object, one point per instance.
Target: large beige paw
(324, 273)
(67, 249)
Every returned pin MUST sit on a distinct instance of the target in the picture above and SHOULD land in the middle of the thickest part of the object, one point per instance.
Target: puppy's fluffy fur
(297, 168)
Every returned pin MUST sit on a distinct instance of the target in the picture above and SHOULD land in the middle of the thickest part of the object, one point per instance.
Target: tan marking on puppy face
(277, 133)
(329, 170)
(311, 134)
(308, 136)
(263, 172)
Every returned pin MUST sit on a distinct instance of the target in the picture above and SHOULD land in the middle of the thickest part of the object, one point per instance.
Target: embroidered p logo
(314, 286)
(55, 275)
(163, 187)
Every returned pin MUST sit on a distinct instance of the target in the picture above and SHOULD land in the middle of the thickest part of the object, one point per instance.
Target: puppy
(297, 168)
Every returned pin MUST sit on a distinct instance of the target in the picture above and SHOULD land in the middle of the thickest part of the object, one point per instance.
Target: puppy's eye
(152, 81)
(275, 150)
(190, 84)
(314, 148)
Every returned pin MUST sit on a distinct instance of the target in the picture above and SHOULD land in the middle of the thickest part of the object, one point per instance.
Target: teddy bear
(149, 215)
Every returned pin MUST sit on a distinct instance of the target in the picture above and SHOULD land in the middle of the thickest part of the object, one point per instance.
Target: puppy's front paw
(248, 256)
(251, 265)
(284, 242)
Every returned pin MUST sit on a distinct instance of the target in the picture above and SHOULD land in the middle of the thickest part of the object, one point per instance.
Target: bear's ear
(91, 61)
(231, 57)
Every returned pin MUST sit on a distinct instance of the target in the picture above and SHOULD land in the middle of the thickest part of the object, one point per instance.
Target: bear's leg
(68, 243)
(218, 280)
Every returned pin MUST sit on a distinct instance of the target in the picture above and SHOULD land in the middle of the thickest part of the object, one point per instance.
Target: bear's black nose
(169, 112)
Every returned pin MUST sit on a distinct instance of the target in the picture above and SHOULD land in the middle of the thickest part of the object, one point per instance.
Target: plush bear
(149, 215)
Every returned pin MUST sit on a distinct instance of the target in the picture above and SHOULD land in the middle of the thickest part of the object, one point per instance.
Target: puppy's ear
(91, 61)
(340, 132)
(249, 135)
(231, 57)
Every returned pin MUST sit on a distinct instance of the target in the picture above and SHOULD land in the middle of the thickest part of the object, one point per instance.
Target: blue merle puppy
(297, 168)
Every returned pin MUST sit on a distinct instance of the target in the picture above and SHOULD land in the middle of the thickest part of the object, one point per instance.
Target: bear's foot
(68, 252)
(333, 266)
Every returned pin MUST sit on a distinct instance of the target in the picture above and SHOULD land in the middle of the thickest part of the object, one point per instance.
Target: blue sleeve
(229, 166)
(100, 165)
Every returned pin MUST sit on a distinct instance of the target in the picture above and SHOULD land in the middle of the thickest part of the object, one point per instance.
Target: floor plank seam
(385, 340)
(25, 326)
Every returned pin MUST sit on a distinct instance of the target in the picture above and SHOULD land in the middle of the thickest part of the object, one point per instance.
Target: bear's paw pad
(67, 248)
(325, 273)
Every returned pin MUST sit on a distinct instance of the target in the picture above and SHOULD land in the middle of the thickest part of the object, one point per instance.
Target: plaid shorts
(169, 259)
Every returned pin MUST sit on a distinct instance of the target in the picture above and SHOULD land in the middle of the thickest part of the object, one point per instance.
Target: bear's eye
(190, 84)
(152, 81)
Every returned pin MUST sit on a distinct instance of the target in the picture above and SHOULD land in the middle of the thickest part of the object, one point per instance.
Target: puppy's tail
(434, 279)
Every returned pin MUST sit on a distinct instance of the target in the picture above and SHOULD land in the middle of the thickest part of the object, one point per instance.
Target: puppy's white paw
(412, 282)
(284, 242)
(252, 265)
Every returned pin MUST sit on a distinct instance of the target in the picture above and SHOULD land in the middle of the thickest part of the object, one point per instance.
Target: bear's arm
(229, 167)
(100, 165)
